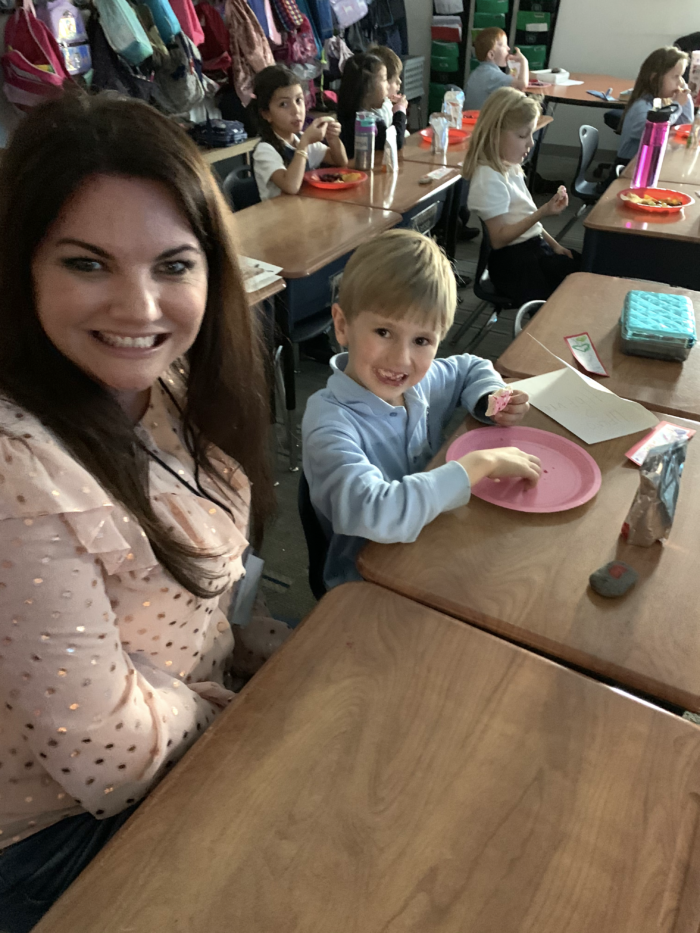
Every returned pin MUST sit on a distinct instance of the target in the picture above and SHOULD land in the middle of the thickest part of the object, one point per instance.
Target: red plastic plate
(454, 135)
(683, 130)
(316, 178)
(470, 117)
(655, 192)
(570, 476)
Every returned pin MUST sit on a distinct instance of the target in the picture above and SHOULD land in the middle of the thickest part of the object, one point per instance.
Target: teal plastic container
(658, 325)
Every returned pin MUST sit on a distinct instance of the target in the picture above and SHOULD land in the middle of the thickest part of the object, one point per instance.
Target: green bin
(484, 20)
(492, 6)
(535, 54)
(444, 56)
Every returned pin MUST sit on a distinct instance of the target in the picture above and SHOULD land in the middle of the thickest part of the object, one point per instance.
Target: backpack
(163, 16)
(289, 14)
(32, 64)
(65, 22)
(112, 73)
(124, 32)
(299, 46)
(179, 85)
(215, 48)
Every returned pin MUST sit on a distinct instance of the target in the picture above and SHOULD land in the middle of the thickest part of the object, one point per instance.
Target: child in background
(365, 86)
(491, 49)
(369, 434)
(661, 75)
(525, 261)
(280, 160)
(395, 100)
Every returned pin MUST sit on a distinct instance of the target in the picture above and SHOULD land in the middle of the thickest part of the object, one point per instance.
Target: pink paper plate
(570, 476)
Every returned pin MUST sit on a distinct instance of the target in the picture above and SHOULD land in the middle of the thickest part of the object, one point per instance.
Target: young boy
(491, 49)
(394, 66)
(368, 435)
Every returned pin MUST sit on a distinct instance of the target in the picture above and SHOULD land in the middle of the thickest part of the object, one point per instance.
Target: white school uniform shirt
(492, 194)
(267, 160)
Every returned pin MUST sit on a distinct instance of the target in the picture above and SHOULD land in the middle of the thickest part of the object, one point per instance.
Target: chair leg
(569, 224)
(474, 316)
(483, 331)
(287, 365)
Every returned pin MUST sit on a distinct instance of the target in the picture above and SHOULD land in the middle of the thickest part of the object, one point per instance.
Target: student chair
(316, 541)
(240, 188)
(485, 292)
(525, 313)
(586, 191)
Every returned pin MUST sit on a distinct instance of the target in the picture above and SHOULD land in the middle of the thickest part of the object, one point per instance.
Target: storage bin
(444, 56)
(536, 55)
(484, 20)
(492, 6)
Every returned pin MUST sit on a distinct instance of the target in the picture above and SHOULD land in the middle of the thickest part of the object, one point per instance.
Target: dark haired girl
(364, 86)
(281, 159)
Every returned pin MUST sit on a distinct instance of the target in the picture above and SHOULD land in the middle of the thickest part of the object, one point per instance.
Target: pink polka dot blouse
(109, 670)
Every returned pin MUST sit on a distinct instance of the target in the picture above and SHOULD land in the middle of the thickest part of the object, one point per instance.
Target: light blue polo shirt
(484, 80)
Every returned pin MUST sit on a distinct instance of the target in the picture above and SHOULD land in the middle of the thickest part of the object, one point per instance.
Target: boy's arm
(354, 496)
(460, 381)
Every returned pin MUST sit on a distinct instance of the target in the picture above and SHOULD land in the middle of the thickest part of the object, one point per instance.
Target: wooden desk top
(680, 166)
(593, 303)
(525, 576)
(262, 294)
(577, 93)
(394, 770)
(614, 216)
(397, 191)
(416, 149)
(228, 152)
(303, 235)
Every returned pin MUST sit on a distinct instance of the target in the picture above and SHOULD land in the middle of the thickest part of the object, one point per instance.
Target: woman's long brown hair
(52, 153)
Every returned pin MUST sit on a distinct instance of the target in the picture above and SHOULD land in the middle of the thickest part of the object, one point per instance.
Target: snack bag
(452, 107)
(651, 514)
(391, 152)
(441, 130)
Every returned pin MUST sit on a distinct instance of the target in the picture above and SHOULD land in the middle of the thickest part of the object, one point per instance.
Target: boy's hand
(500, 463)
(333, 129)
(557, 204)
(515, 410)
(517, 56)
(400, 102)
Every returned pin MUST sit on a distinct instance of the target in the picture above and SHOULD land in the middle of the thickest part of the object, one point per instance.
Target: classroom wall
(611, 37)
(419, 18)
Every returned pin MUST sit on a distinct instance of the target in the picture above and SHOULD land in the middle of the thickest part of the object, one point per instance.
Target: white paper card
(257, 274)
(584, 407)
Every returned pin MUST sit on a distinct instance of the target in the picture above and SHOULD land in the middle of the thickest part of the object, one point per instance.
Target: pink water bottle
(653, 146)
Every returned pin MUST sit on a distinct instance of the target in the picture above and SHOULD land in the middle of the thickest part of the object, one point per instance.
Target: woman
(133, 425)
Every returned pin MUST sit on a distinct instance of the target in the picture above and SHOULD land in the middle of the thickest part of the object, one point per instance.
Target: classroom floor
(285, 582)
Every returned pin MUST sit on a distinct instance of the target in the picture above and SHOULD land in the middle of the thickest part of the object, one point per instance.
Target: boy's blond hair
(387, 56)
(400, 274)
(505, 109)
(486, 40)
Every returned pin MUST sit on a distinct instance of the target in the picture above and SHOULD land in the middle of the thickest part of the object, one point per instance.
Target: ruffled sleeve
(103, 723)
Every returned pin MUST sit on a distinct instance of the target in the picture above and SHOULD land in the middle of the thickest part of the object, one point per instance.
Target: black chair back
(483, 286)
(586, 191)
(240, 188)
(316, 541)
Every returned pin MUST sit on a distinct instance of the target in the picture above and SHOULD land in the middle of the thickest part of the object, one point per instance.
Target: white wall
(611, 37)
(419, 18)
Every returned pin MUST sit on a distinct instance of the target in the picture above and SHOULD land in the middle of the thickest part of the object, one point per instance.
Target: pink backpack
(32, 64)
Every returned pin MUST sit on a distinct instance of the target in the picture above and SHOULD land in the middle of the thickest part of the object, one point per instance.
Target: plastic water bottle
(365, 133)
(653, 146)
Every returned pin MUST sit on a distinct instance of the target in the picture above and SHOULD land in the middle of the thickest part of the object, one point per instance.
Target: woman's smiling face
(120, 282)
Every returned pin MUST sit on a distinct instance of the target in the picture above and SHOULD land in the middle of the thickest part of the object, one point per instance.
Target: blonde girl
(661, 75)
(525, 262)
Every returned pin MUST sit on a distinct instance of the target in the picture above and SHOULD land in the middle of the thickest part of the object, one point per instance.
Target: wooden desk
(593, 303)
(303, 235)
(416, 149)
(577, 95)
(263, 294)
(526, 576)
(620, 240)
(680, 165)
(228, 152)
(393, 770)
(391, 191)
